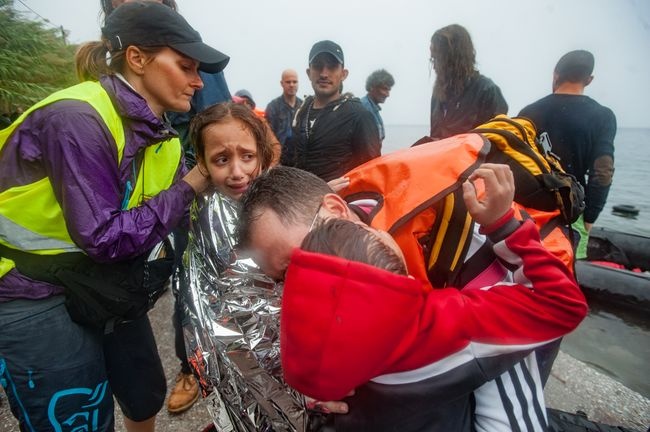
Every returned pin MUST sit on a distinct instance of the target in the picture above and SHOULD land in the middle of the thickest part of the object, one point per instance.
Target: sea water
(631, 183)
(614, 340)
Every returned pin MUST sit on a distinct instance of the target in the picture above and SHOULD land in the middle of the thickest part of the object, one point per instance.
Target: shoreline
(573, 385)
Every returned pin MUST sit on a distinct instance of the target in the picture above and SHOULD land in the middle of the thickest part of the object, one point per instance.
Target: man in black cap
(332, 132)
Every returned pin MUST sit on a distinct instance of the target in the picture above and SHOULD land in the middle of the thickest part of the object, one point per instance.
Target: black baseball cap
(152, 24)
(326, 46)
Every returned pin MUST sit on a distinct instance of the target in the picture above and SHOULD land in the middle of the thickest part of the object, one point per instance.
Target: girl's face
(230, 157)
(167, 80)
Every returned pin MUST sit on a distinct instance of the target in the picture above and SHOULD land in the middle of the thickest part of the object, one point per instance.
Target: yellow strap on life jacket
(453, 230)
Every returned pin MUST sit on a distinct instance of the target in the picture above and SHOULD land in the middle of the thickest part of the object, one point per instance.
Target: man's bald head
(289, 83)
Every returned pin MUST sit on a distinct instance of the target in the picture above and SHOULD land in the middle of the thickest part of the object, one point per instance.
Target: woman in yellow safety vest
(91, 183)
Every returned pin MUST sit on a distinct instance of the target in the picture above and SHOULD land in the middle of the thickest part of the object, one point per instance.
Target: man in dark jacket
(281, 110)
(332, 133)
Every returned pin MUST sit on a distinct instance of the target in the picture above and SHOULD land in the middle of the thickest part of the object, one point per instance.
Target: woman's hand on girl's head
(198, 179)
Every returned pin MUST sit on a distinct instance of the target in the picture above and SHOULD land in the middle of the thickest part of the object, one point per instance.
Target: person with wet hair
(355, 242)
(462, 97)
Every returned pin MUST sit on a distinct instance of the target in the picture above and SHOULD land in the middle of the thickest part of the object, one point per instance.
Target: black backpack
(101, 295)
(542, 183)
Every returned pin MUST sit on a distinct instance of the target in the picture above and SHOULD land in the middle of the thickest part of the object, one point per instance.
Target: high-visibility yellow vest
(31, 219)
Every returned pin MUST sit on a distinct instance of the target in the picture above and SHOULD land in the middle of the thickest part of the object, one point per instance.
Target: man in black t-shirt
(581, 132)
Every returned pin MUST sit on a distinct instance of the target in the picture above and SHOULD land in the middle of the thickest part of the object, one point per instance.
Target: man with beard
(332, 132)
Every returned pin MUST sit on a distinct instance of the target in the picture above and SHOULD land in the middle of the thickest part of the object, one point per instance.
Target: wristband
(487, 229)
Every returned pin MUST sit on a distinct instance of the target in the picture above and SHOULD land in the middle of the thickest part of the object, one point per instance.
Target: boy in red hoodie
(345, 323)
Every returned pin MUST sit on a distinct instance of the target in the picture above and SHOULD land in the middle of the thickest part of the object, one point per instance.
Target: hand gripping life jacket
(419, 202)
(32, 227)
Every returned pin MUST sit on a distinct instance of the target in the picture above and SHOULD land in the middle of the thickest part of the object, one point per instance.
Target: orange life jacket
(419, 202)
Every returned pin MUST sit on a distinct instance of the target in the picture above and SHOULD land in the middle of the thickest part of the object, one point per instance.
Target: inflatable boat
(617, 268)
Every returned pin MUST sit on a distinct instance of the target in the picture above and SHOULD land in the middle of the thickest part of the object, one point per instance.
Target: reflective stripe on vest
(31, 218)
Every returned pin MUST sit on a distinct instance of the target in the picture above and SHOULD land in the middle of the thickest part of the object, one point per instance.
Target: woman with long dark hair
(462, 98)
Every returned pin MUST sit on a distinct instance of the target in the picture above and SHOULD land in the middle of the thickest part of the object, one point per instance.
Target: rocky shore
(573, 386)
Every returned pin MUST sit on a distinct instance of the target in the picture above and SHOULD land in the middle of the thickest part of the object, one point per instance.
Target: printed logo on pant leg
(10, 388)
(87, 402)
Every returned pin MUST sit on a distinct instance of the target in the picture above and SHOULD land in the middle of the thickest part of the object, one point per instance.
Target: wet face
(167, 80)
(326, 75)
(379, 93)
(272, 243)
(230, 157)
(289, 83)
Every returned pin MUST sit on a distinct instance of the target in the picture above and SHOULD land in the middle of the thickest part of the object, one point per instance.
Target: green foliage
(34, 60)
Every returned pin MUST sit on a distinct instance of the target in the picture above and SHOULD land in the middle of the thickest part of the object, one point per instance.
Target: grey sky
(517, 44)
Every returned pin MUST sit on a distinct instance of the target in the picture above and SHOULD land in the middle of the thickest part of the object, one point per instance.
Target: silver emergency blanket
(232, 333)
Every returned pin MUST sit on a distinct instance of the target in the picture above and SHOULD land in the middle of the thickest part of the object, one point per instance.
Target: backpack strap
(475, 265)
(447, 244)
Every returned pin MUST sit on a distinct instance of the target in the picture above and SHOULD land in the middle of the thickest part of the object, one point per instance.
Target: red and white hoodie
(345, 323)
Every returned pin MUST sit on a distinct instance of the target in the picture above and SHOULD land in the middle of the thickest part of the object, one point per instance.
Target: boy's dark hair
(223, 112)
(354, 242)
(575, 66)
(378, 78)
(293, 194)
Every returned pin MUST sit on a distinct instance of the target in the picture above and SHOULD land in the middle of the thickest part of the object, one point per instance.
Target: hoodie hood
(343, 323)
